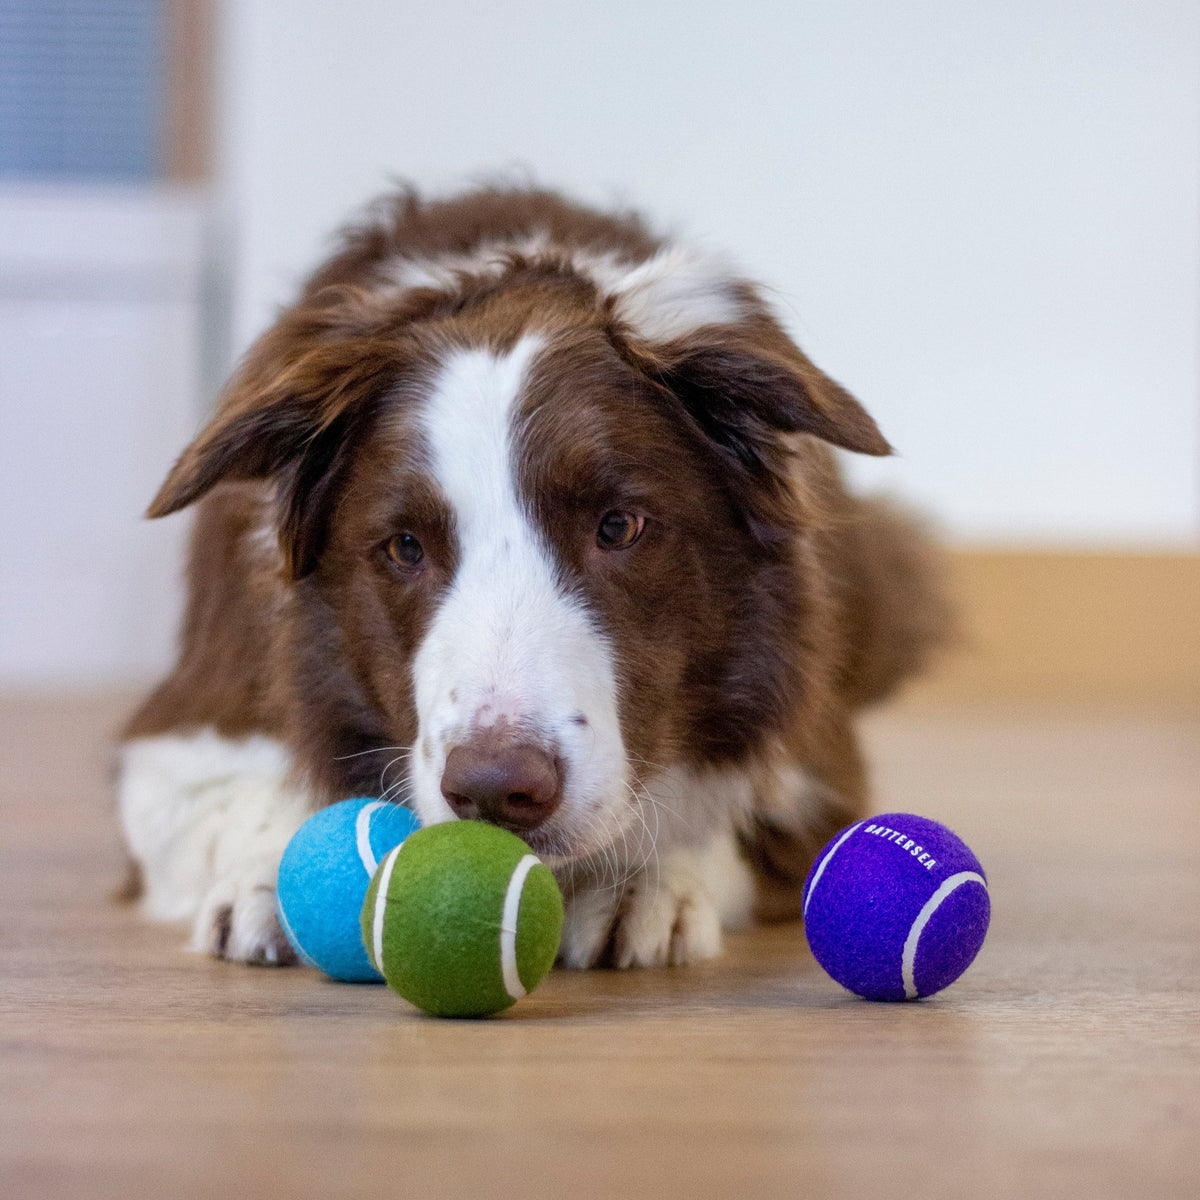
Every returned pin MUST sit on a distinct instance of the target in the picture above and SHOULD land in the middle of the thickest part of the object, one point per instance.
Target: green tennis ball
(462, 919)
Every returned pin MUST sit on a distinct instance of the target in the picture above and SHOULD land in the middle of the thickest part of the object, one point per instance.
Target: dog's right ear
(288, 414)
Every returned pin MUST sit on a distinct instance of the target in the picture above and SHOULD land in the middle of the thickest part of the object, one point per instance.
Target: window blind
(80, 89)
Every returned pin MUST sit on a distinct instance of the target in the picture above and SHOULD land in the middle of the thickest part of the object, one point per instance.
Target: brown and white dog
(522, 513)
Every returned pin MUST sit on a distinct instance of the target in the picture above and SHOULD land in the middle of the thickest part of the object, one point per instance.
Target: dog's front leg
(207, 819)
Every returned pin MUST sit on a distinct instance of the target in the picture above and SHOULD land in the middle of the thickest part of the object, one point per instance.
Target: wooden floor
(1065, 1063)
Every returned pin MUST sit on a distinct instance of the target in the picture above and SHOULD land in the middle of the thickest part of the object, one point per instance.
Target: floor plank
(1065, 1063)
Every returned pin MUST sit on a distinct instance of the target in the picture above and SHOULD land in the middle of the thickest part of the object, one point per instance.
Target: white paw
(666, 923)
(238, 921)
(665, 917)
(586, 926)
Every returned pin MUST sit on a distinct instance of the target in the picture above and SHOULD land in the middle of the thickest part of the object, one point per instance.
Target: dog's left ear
(695, 327)
(746, 383)
(746, 388)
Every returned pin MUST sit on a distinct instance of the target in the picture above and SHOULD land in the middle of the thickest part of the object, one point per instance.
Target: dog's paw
(591, 914)
(664, 917)
(667, 922)
(238, 921)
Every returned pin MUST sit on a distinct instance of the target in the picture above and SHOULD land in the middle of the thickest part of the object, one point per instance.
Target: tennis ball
(323, 877)
(462, 919)
(896, 907)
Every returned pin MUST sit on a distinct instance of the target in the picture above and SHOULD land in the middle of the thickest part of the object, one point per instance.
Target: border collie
(522, 513)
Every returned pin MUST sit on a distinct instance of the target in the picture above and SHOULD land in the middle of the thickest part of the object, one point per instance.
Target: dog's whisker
(606, 857)
(385, 788)
(599, 836)
(651, 797)
(609, 861)
(399, 785)
(372, 750)
(651, 838)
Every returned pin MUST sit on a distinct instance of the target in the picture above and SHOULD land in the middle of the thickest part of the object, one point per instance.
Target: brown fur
(762, 612)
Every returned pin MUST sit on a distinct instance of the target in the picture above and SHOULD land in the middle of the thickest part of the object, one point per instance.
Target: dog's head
(550, 514)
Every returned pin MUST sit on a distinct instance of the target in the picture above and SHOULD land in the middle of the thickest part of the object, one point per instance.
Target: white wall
(100, 301)
(983, 217)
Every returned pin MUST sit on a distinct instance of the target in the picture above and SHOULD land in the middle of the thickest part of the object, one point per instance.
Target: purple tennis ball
(896, 907)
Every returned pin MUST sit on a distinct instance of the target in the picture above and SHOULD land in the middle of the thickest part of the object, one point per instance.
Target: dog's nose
(513, 784)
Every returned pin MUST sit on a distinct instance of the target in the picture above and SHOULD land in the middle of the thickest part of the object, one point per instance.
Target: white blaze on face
(508, 646)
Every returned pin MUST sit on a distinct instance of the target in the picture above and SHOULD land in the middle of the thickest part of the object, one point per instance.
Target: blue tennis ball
(323, 878)
(896, 907)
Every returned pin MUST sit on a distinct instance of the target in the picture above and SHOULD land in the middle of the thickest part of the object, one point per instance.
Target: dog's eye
(405, 551)
(619, 530)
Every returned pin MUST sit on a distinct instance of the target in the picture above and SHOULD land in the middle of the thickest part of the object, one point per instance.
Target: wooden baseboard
(190, 48)
(1073, 627)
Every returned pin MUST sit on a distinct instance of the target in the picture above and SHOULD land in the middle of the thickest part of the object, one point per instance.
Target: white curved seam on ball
(812, 887)
(362, 835)
(291, 935)
(381, 907)
(508, 926)
(908, 962)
